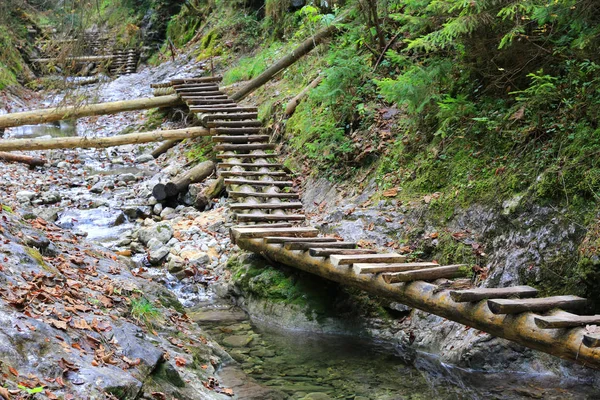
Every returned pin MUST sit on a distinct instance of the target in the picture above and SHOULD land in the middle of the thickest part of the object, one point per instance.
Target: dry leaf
(180, 361)
(393, 192)
(13, 371)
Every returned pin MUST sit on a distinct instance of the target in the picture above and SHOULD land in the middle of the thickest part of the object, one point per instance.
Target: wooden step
(566, 321)
(216, 106)
(199, 79)
(508, 306)
(233, 124)
(241, 139)
(201, 94)
(192, 87)
(271, 225)
(425, 274)
(326, 252)
(200, 99)
(591, 340)
(269, 217)
(319, 245)
(237, 131)
(265, 206)
(478, 294)
(253, 182)
(279, 174)
(245, 147)
(213, 101)
(240, 116)
(223, 109)
(367, 258)
(226, 156)
(285, 240)
(254, 233)
(263, 195)
(364, 268)
(248, 165)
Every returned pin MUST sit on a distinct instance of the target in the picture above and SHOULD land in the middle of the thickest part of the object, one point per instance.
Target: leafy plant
(144, 311)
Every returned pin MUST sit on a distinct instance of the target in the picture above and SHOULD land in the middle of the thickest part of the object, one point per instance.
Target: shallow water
(60, 129)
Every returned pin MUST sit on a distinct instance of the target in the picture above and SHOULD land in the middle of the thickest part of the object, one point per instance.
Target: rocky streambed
(148, 300)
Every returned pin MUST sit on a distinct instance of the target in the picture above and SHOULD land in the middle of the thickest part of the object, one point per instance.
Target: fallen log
(164, 147)
(163, 191)
(211, 191)
(73, 112)
(100, 142)
(293, 103)
(31, 161)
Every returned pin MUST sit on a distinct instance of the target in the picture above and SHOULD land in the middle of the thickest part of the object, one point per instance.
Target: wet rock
(62, 164)
(155, 256)
(158, 207)
(237, 340)
(175, 264)
(48, 214)
(144, 158)
(51, 198)
(25, 196)
(98, 187)
(154, 244)
(128, 178)
(38, 241)
(195, 257)
(167, 212)
(162, 232)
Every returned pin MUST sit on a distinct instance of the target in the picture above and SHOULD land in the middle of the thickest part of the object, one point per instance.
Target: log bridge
(270, 222)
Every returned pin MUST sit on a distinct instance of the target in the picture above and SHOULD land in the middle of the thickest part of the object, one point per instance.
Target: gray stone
(166, 212)
(158, 207)
(162, 232)
(128, 178)
(144, 158)
(62, 164)
(157, 255)
(237, 340)
(154, 244)
(98, 187)
(25, 196)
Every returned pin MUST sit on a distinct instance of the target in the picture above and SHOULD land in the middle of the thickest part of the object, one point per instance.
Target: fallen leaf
(4, 393)
(180, 361)
(58, 324)
(393, 192)
(13, 371)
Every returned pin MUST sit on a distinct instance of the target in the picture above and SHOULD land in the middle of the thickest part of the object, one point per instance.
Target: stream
(299, 364)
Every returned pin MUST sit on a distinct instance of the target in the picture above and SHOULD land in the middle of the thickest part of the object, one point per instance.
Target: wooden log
(163, 148)
(478, 294)
(269, 226)
(592, 341)
(240, 116)
(245, 147)
(237, 131)
(73, 112)
(293, 103)
(255, 233)
(285, 240)
(180, 183)
(279, 174)
(203, 109)
(566, 321)
(200, 79)
(233, 124)
(210, 101)
(265, 206)
(252, 182)
(365, 268)
(326, 252)
(215, 106)
(367, 258)
(269, 217)
(248, 165)
(101, 142)
(507, 306)
(241, 139)
(425, 274)
(212, 190)
(21, 158)
(306, 245)
(265, 195)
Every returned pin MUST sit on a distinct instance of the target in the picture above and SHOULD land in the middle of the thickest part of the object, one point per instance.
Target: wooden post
(197, 174)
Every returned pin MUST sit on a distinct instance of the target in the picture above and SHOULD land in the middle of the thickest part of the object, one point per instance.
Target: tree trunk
(31, 161)
(210, 192)
(200, 172)
(100, 142)
(293, 103)
(73, 112)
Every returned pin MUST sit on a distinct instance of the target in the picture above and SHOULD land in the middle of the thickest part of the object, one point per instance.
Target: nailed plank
(248, 165)
(566, 321)
(190, 88)
(252, 233)
(271, 225)
(217, 78)
(201, 93)
(239, 116)
(425, 274)
(367, 258)
(213, 106)
(233, 124)
(591, 340)
(478, 294)
(263, 195)
(365, 268)
(237, 131)
(269, 217)
(285, 240)
(211, 101)
(327, 252)
(226, 156)
(279, 174)
(241, 139)
(245, 147)
(316, 245)
(253, 182)
(508, 306)
(265, 206)
(201, 109)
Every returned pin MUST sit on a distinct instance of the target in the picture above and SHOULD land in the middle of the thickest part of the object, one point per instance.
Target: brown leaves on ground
(393, 192)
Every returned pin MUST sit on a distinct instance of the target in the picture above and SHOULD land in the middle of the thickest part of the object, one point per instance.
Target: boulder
(161, 232)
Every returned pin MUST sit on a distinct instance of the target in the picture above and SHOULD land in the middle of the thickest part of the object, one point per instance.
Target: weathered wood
(306, 245)
(254, 233)
(210, 101)
(240, 116)
(265, 206)
(202, 94)
(367, 258)
(285, 240)
(293, 103)
(241, 139)
(215, 106)
(245, 147)
(269, 217)
(21, 158)
(269, 226)
(566, 321)
(237, 131)
(425, 274)
(249, 165)
(181, 182)
(252, 182)
(591, 341)
(202, 109)
(478, 294)
(101, 142)
(73, 112)
(265, 195)
(508, 306)
(163, 148)
(326, 252)
(226, 156)
(217, 78)
(365, 268)
(233, 124)
(279, 174)
(195, 87)
(212, 190)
